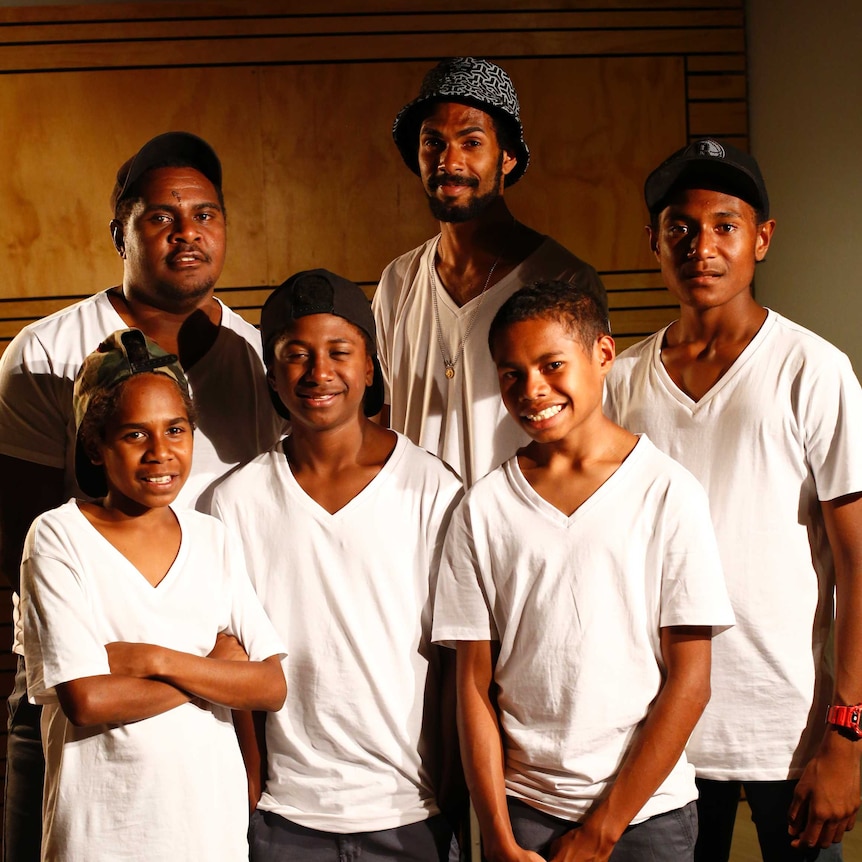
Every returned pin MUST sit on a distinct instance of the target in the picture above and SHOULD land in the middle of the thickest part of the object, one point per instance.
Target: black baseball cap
(163, 150)
(319, 291)
(716, 164)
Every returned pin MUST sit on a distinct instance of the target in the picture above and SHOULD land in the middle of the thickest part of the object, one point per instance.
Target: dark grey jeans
(25, 776)
(666, 837)
(271, 838)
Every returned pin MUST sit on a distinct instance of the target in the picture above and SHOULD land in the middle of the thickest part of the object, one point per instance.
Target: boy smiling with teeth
(580, 587)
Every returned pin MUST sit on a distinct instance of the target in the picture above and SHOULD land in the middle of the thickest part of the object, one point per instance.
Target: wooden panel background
(298, 98)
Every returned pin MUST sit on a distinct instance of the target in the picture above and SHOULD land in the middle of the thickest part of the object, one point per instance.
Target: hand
(827, 796)
(129, 659)
(586, 843)
(228, 648)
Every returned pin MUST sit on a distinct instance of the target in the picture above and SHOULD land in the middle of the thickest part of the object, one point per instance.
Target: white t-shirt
(350, 593)
(169, 787)
(778, 433)
(462, 420)
(37, 373)
(576, 604)
(236, 420)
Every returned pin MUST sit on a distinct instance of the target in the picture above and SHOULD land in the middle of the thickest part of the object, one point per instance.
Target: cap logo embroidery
(710, 148)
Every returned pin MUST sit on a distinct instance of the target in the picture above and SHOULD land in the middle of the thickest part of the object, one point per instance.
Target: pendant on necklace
(450, 370)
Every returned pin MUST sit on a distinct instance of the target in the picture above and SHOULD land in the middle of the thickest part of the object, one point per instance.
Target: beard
(459, 213)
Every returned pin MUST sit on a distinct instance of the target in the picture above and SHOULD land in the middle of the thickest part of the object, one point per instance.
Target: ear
(118, 238)
(652, 236)
(270, 378)
(509, 162)
(764, 237)
(605, 352)
(369, 369)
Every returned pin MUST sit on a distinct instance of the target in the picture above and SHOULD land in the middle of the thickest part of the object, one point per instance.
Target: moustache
(451, 180)
(188, 248)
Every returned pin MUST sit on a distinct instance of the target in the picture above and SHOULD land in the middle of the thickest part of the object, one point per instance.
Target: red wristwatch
(847, 718)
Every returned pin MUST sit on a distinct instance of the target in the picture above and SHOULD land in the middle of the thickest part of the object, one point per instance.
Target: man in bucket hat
(768, 416)
(342, 524)
(168, 226)
(463, 137)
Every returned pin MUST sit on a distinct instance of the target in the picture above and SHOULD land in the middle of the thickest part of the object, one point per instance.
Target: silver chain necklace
(451, 363)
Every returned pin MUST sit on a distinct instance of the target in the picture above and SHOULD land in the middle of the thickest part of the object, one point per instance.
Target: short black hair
(582, 309)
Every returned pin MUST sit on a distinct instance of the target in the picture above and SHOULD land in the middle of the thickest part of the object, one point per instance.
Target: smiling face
(550, 382)
(320, 370)
(173, 239)
(461, 162)
(707, 244)
(146, 444)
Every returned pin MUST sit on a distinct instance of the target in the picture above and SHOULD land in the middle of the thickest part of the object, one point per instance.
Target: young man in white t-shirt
(768, 417)
(462, 135)
(580, 585)
(342, 525)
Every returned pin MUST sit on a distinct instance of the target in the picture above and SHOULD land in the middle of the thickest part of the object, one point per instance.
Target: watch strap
(848, 717)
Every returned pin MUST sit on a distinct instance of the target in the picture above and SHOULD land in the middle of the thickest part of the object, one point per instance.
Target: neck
(487, 236)
(723, 324)
(187, 331)
(327, 451)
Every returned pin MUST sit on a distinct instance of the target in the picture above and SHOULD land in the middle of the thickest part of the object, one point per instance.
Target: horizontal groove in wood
(292, 25)
(364, 48)
(241, 9)
(730, 86)
(709, 64)
(717, 118)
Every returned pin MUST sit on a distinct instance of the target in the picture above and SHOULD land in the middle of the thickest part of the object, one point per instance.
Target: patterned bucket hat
(121, 355)
(469, 81)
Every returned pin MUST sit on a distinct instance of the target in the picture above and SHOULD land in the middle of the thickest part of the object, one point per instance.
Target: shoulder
(553, 261)
(633, 362)
(401, 272)
(420, 465)
(668, 476)
(65, 333)
(53, 531)
(231, 322)
(234, 487)
(791, 338)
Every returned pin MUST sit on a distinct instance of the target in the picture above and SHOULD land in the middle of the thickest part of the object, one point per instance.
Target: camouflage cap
(122, 354)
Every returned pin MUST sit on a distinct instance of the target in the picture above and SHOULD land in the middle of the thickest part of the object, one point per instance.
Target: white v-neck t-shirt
(577, 604)
(780, 432)
(350, 594)
(164, 788)
(462, 420)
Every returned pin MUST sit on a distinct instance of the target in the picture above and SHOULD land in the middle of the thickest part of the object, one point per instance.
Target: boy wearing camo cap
(127, 607)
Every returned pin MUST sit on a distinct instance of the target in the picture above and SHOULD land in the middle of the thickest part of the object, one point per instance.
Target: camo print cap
(479, 83)
(122, 354)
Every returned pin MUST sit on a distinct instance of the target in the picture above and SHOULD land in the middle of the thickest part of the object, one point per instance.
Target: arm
(451, 790)
(26, 490)
(111, 699)
(115, 698)
(235, 684)
(482, 752)
(655, 749)
(827, 796)
(251, 734)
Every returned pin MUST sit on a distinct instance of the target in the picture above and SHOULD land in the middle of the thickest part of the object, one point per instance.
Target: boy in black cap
(463, 137)
(342, 524)
(768, 417)
(168, 226)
